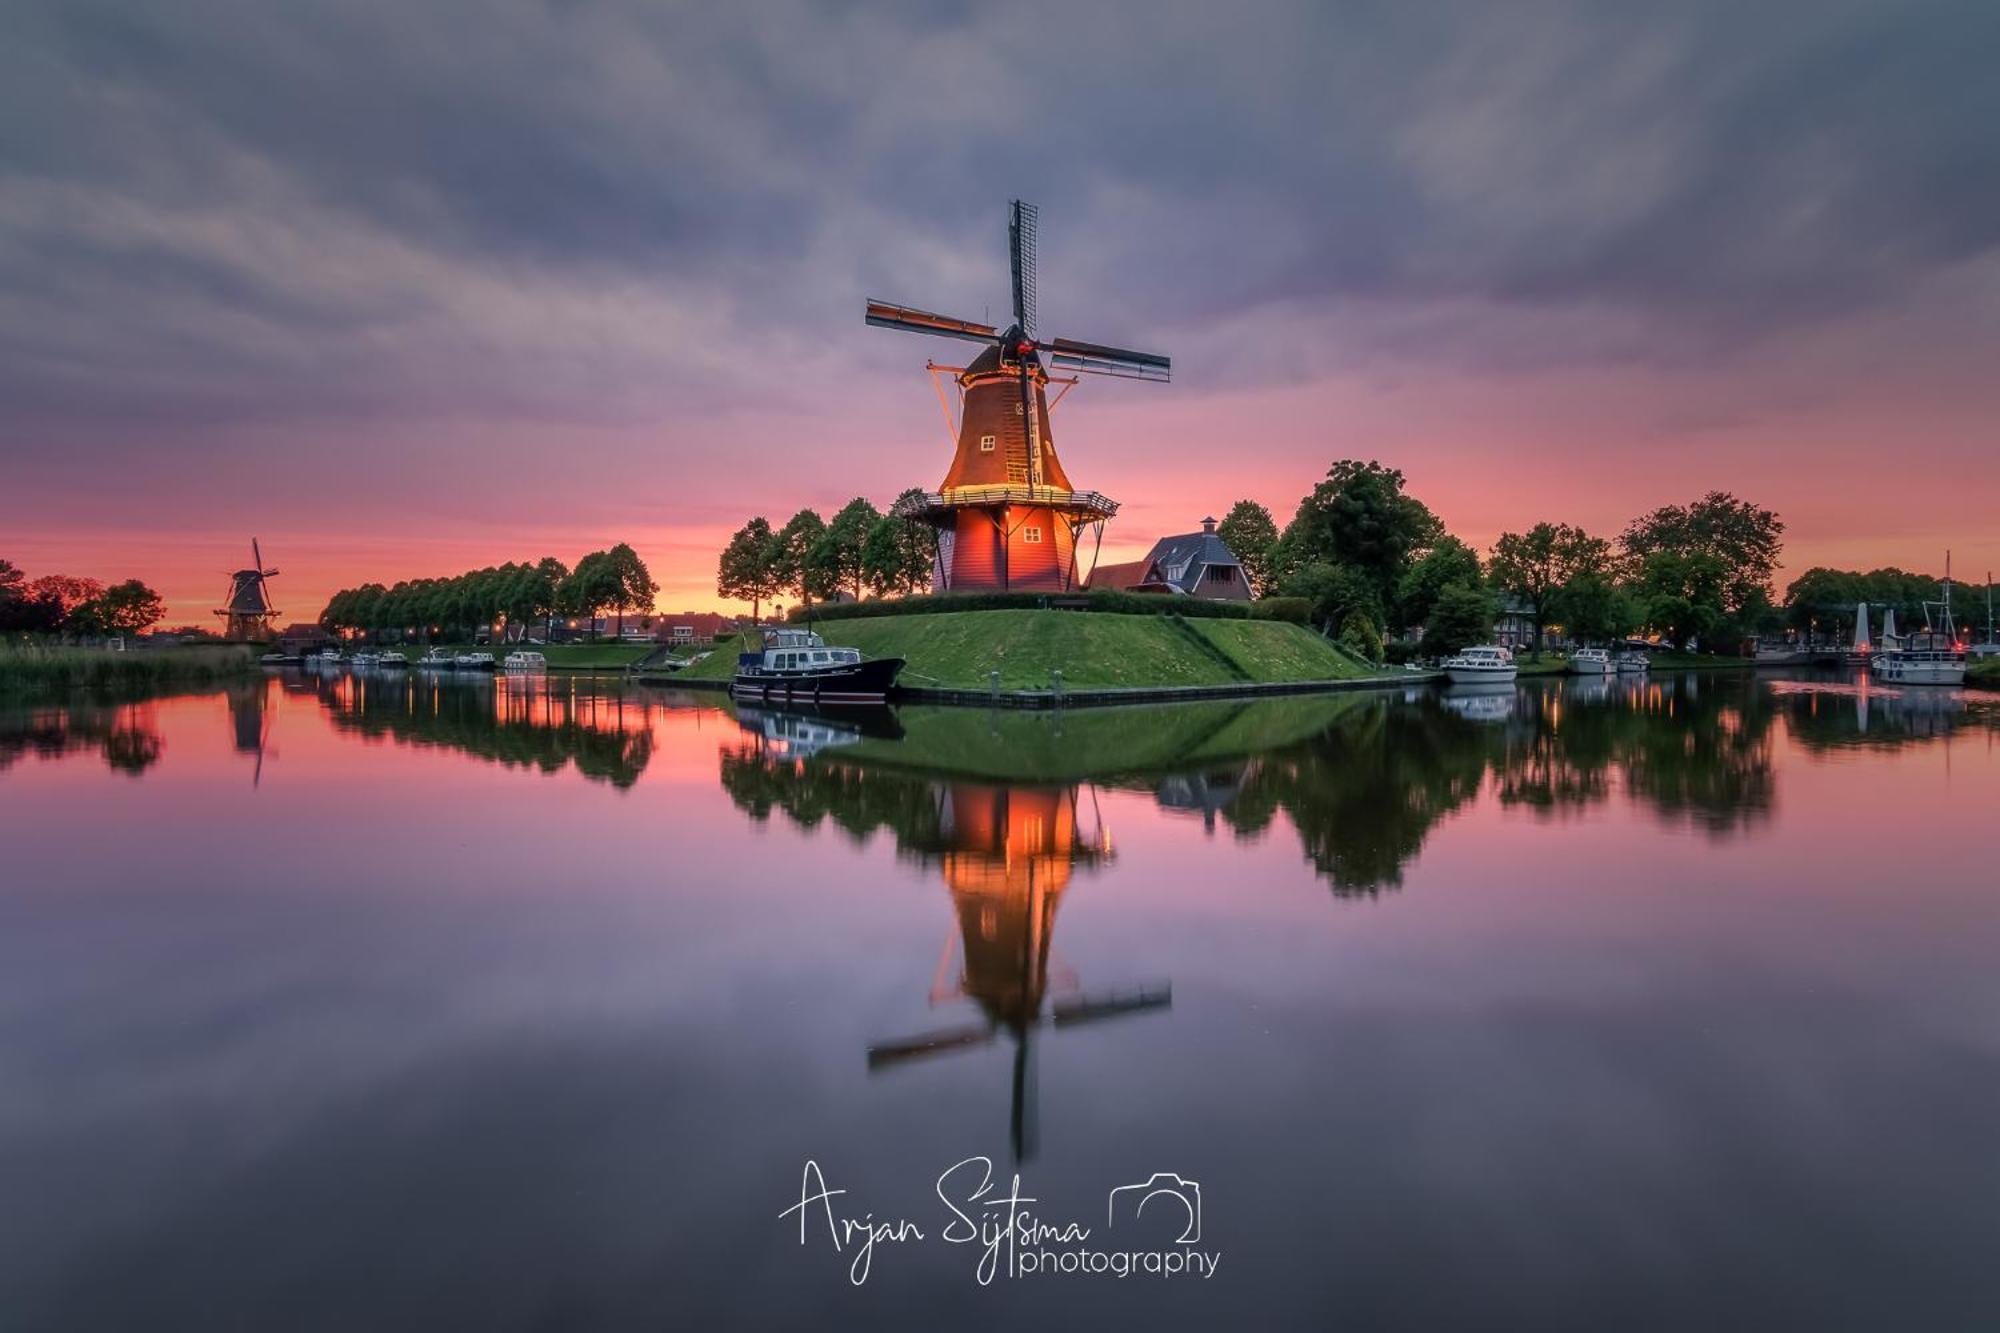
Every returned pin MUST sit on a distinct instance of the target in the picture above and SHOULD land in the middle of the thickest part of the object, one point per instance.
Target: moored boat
(366, 658)
(472, 662)
(523, 660)
(392, 661)
(437, 659)
(1631, 660)
(1590, 662)
(1487, 662)
(797, 664)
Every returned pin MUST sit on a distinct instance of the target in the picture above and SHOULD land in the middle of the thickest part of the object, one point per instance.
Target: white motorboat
(437, 659)
(472, 662)
(1632, 660)
(392, 661)
(1591, 662)
(1919, 666)
(521, 660)
(366, 658)
(1487, 662)
(1933, 657)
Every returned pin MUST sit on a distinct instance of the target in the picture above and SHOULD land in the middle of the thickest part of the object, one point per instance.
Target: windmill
(1006, 515)
(1007, 859)
(249, 612)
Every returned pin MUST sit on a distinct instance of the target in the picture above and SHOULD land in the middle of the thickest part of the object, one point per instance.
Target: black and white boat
(797, 665)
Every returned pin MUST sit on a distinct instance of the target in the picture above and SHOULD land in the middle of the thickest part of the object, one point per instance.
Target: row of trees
(860, 551)
(1370, 559)
(66, 604)
(1826, 599)
(513, 596)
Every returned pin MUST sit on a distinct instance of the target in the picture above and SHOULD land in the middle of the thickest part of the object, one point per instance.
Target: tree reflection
(124, 734)
(543, 723)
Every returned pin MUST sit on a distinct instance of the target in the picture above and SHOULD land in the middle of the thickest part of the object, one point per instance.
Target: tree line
(860, 551)
(513, 597)
(66, 604)
(1826, 599)
(1372, 561)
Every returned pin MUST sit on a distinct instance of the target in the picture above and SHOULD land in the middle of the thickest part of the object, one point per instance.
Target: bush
(1360, 637)
(1103, 600)
(1297, 610)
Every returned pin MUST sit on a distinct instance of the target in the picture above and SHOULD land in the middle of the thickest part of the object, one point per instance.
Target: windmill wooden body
(248, 611)
(1006, 515)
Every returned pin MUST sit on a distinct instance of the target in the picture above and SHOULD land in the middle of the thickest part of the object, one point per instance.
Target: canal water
(381, 1003)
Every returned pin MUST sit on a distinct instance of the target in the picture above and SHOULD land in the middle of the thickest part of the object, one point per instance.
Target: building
(1006, 516)
(304, 637)
(1197, 564)
(692, 627)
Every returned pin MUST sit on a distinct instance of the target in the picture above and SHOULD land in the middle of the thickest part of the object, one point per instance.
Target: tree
(1448, 561)
(1462, 616)
(1742, 540)
(896, 557)
(593, 585)
(128, 608)
(1682, 596)
(1594, 608)
(1532, 565)
(1358, 518)
(748, 567)
(1248, 531)
(795, 543)
(1334, 592)
(835, 558)
(58, 603)
(631, 583)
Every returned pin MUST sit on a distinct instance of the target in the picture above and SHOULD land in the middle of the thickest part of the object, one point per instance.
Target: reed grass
(48, 669)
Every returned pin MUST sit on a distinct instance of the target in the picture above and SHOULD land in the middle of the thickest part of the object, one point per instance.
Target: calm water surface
(373, 1004)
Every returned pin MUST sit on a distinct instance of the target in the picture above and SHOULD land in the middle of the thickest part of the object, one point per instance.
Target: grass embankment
(1093, 651)
(1984, 673)
(33, 669)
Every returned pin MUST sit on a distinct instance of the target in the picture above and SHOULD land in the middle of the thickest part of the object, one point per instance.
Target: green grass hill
(1091, 649)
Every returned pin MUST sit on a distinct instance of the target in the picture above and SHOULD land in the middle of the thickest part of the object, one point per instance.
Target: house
(303, 637)
(1197, 564)
(692, 627)
(1514, 627)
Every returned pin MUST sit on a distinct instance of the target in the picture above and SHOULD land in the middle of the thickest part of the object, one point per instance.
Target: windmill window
(986, 444)
(1032, 536)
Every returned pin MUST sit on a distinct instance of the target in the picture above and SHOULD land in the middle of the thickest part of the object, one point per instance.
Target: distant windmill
(1006, 515)
(249, 612)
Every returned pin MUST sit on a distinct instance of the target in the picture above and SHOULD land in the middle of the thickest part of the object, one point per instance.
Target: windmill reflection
(1007, 855)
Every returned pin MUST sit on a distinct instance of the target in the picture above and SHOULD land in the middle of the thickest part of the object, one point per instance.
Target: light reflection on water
(379, 1001)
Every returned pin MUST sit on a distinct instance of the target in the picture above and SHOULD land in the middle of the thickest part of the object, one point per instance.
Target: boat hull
(843, 683)
(1478, 675)
(1589, 668)
(1918, 673)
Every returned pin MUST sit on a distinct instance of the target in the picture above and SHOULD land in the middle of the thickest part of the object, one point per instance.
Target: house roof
(1125, 574)
(1179, 560)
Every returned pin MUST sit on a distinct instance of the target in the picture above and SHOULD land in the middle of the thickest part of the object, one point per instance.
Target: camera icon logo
(1132, 1201)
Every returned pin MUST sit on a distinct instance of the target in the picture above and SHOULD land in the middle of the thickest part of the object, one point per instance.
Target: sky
(403, 290)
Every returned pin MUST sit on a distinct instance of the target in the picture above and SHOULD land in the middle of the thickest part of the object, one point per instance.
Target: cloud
(216, 213)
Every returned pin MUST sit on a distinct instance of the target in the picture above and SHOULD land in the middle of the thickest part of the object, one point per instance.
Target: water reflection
(123, 734)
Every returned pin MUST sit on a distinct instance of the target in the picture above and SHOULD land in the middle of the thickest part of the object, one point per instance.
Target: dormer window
(986, 443)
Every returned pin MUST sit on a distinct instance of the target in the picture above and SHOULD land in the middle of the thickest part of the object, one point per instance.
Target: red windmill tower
(1006, 515)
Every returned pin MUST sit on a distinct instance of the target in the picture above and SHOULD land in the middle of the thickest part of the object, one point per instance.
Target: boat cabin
(794, 650)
